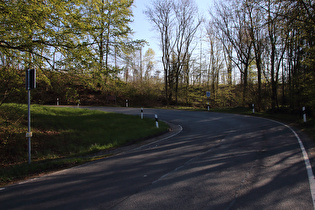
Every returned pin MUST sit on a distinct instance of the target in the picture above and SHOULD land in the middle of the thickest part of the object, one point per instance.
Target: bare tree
(277, 39)
(161, 15)
(257, 34)
(216, 59)
(177, 25)
(235, 32)
(186, 28)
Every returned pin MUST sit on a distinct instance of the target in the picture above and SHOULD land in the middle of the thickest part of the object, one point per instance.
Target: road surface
(211, 161)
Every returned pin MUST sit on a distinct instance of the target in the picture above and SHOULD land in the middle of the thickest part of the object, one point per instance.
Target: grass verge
(63, 137)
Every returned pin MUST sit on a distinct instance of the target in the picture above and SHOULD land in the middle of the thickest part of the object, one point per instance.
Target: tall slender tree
(177, 24)
(108, 28)
(187, 24)
(236, 33)
(161, 15)
(257, 34)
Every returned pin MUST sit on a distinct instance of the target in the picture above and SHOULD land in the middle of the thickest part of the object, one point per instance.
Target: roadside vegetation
(244, 53)
(63, 137)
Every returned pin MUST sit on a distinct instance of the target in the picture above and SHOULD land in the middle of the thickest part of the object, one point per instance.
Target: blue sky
(143, 29)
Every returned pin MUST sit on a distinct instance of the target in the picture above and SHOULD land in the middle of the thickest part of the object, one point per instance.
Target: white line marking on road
(2, 189)
(306, 160)
(27, 181)
(146, 145)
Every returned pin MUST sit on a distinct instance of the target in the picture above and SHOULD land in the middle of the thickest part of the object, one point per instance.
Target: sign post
(30, 83)
(208, 96)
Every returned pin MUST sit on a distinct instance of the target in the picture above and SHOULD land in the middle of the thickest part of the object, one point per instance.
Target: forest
(252, 52)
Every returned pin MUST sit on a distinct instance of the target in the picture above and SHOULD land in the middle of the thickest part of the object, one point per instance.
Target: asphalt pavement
(209, 161)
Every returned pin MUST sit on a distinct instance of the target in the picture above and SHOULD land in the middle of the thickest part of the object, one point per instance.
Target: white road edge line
(308, 165)
(146, 145)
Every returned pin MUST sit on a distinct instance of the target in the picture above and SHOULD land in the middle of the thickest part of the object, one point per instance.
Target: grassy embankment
(62, 137)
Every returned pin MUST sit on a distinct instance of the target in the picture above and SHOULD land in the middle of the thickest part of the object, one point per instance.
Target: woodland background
(257, 52)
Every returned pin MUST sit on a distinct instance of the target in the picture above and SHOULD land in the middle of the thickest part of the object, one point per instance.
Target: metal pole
(29, 135)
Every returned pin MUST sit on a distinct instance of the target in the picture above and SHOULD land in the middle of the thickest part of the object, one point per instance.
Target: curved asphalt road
(218, 161)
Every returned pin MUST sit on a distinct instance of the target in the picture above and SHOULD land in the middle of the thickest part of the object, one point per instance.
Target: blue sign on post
(30, 79)
(208, 96)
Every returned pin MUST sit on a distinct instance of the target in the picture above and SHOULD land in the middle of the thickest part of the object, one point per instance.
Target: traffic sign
(30, 79)
(208, 94)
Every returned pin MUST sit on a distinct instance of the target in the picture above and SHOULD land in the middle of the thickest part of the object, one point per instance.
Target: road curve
(218, 161)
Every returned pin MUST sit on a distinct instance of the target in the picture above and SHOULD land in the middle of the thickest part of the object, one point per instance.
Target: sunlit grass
(63, 136)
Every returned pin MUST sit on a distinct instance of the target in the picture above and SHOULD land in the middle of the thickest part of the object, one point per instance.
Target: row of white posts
(141, 114)
(155, 116)
(253, 108)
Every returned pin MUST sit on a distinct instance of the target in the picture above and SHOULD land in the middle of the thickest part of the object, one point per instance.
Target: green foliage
(83, 40)
(32, 28)
(72, 96)
(107, 26)
(81, 35)
(12, 86)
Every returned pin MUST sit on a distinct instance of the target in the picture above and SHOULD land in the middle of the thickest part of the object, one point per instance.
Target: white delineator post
(141, 113)
(126, 103)
(304, 114)
(253, 105)
(57, 101)
(156, 121)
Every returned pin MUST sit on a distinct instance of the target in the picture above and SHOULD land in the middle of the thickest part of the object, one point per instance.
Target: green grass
(63, 137)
